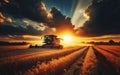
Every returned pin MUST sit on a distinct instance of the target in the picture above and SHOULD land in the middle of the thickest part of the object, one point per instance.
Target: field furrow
(75, 67)
(113, 50)
(109, 61)
(36, 55)
(22, 62)
(89, 64)
(85, 65)
(87, 60)
(55, 66)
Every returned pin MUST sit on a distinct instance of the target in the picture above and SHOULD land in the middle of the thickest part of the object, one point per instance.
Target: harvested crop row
(75, 67)
(116, 48)
(24, 64)
(36, 55)
(112, 51)
(114, 60)
(55, 66)
(90, 63)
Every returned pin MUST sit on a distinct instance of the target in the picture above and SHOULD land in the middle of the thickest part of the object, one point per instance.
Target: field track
(87, 60)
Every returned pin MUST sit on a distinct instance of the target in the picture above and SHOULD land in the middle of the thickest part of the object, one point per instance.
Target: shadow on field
(104, 67)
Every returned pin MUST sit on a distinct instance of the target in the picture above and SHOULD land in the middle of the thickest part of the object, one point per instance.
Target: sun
(67, 38)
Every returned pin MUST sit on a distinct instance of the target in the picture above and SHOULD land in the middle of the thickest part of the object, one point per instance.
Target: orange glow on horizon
(71, 40)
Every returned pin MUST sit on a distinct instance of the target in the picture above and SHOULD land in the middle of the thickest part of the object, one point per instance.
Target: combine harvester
(50, 41)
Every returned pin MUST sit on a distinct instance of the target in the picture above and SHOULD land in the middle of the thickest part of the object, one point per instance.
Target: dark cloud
(18, 30)
(59, 21)
(32, 9)
(104, 18)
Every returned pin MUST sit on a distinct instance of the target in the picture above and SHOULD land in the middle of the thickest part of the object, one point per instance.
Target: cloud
(18, 30)
(34, 24)
(59, 21)
(30, 17)
(104, 18)
(79, 17)
(7, 1)
(30, 28)
(48, 31)
(3, 18)
(31, 9)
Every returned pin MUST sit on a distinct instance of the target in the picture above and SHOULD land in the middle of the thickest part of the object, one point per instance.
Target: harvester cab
(51, 41)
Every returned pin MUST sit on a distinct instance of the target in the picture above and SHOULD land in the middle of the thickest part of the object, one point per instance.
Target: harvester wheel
(43, 46)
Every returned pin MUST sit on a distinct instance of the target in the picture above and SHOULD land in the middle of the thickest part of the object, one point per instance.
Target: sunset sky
(28, 20)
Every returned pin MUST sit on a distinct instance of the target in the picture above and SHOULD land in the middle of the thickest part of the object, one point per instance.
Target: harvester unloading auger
(50, 41)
